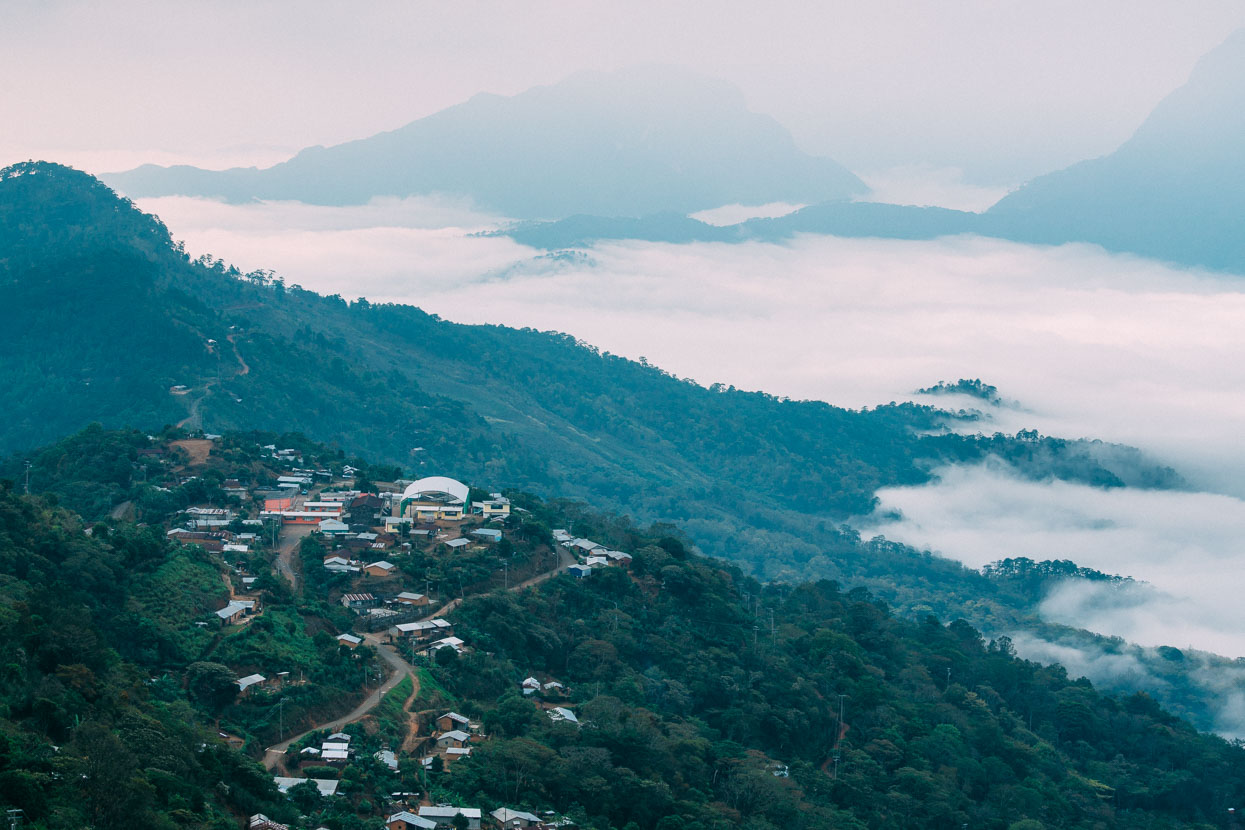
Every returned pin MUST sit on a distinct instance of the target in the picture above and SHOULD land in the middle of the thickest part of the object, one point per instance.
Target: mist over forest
(693, 373)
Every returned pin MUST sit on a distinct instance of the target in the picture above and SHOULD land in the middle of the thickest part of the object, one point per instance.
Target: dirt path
(291, 537)
(565, 560)
(274, 755)
(412, 723)
(243, 368)
(192, 417)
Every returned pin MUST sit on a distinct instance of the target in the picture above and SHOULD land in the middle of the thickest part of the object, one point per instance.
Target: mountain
(697, 697)
(627, 143)
(106, 320)
(848, 219)
(1174, 191)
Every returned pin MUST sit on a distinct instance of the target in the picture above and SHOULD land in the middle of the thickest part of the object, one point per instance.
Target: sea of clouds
(1088, 344)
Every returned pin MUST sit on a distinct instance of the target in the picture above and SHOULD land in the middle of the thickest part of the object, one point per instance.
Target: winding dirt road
(275, 754)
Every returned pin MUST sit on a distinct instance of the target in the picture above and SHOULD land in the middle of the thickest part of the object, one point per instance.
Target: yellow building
(497, 506)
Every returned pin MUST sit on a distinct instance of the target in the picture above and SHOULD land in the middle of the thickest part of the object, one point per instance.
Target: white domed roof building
(434, 498)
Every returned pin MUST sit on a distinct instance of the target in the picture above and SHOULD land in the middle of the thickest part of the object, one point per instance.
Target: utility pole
(16, 815)
(838, 736)
(281, 718)
(27, 480)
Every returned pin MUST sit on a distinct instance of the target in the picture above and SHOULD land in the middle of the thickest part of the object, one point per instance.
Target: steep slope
(166, 340)
(1174, 191)
(705, 699)
(724, 703)
(628, 143)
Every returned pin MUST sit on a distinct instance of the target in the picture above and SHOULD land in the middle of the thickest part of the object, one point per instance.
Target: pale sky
(1000, 90)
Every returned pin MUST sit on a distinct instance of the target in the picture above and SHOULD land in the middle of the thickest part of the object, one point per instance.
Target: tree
(513, 716)
(306, 797)
(212, 685)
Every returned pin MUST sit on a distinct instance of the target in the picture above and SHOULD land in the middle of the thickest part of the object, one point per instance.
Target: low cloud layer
(425, 245)
(1186, 547)
(1089, 344)
(1207, 688)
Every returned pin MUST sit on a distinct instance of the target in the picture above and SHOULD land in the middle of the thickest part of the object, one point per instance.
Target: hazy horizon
(942, 101)
(950, 105)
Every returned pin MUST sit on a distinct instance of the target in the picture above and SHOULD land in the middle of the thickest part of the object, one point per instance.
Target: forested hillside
(106, 320)
(696, 686)
(95, 730)
(704, 699)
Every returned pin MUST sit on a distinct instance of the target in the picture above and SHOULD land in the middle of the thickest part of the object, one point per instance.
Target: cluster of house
(443, 499)
(441, 817)
(329, 510)
(451, 739)
(333, 750)
(590, 554)
(300, 476)
(362, 529)
(427, 636)
(549, 693)
(381, 610)
(219, 540)
(208, 518)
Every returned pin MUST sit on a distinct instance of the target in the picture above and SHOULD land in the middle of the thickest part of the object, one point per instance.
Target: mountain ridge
(1174, 192)
(399, 384)
(630, 142)
(95, 330)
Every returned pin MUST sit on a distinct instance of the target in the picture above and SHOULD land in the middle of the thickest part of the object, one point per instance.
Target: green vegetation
(695, 685)
(105, 315)
(707, 699)
(1003, 599)
(974, 388)
(690, 691)
(95, 729)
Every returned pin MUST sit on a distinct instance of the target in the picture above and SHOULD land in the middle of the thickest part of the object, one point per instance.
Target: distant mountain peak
(1174, 191)
(632, 142)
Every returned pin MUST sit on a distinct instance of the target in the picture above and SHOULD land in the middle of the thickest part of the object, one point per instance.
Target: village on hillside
(394, 559)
